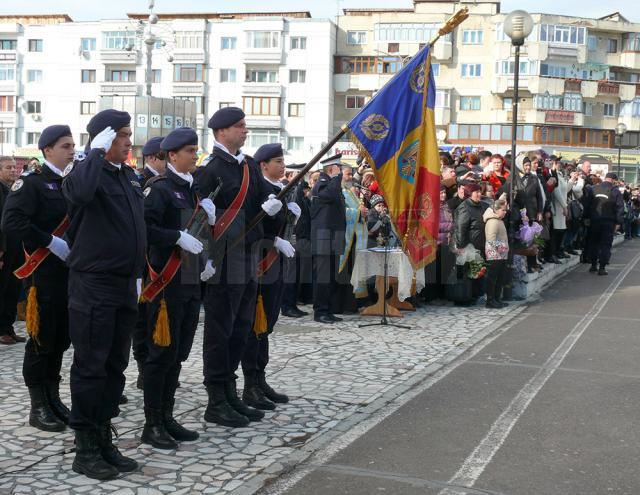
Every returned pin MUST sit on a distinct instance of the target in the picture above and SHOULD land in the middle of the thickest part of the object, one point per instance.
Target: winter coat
(497, 241)
(469, 225)
(446, 224)
(559, 203)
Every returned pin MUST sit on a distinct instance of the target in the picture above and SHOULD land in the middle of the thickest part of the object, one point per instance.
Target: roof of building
(223, 15)
(35, 18)
(615, 16)
(373, 11)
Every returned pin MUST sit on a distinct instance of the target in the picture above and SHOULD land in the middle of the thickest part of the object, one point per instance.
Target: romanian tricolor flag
(396, 133)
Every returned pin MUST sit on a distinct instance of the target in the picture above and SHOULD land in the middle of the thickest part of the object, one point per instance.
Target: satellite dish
(441, 135)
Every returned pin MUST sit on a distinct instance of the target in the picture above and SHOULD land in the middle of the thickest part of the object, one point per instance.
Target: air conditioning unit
(36, 116)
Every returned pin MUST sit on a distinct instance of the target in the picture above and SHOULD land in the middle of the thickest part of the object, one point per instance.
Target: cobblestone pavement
(332, 374)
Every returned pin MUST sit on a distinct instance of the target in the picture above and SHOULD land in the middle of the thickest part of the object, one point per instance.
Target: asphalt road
(548, 405)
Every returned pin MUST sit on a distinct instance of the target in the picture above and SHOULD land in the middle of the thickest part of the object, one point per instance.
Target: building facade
(276, 66)
(579, 77)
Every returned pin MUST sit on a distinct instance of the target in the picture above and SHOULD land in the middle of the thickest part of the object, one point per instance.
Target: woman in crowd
(496, 252)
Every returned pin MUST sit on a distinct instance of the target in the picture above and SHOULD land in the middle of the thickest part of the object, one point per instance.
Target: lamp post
(517, 26)
(621, 128)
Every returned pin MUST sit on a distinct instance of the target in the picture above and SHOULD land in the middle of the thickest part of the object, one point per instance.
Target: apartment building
(277, 66)
(579, 77)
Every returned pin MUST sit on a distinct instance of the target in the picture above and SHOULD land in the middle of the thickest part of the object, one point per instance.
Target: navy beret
(268, 151)
(51, 134)
(108, 118)
(178, 138)
(225, 117)
(152, 147)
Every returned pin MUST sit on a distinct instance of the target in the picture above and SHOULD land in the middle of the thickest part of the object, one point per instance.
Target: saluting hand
(104, 139)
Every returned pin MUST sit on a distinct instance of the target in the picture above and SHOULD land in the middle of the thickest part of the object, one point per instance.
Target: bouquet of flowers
(527, 233)
(476, 269)
(472, 260)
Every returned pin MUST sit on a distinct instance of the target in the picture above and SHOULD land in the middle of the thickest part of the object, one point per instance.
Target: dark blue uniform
(10, 286)
(604, 208)
(169, 204)
(328, 224)
(31, 214)
(107, 238)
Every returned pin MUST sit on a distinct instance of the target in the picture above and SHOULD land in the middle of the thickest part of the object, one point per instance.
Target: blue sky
(113, 9)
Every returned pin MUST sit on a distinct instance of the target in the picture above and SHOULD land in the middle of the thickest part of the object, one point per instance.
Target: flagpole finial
(453, 22)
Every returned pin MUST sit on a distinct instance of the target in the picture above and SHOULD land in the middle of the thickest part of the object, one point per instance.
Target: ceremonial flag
(396, 133)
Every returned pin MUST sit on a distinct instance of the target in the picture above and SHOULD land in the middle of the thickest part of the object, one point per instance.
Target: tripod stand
(384, 321)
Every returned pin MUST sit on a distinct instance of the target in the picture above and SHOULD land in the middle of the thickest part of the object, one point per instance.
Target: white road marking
(479, 459)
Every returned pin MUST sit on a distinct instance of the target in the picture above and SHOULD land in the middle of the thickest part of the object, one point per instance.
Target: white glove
(284, 247)
(208, 206)
(59, 247)
(295, 209)
(104, 139)
(272, 206)
(189, 243)
(208, 272)
(139, 287)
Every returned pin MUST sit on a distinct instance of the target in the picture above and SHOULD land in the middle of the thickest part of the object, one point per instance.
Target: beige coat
(497, 242)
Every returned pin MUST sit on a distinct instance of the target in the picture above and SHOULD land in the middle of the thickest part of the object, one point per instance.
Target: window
(393, 47)
(612, 45)
(225, 104)
(198, 100)
(88, 44)
(547, 102)
(7, 103)
(156, 75)
(188, 72)
(508, 67)
(261, 105)
(263, 39)
(298, 43)
(442, 98)
(258, 137)
(228, 43)
(189, 39)
(228, 75)
(297, 76)
(356, 37)
(631, 42)
(121, 76)
(553, 70)
(472, 36)
(296, 109)
(262, 76)
(5, 135)
(84, 139)
(118, 40)
(572, 102)
(35, 45)
(8, 44)
(435, 69)
(34, 76)
(592, 43)
(87, 107)
(469, 103)
(33, 107)
(405, 32)
(609, 109)
(354, 102)
(88, 76)
(563, 34)
(587, 109)
(507, 103)
(471, 70)
(7, 73)
(295, 143)
(32, 138)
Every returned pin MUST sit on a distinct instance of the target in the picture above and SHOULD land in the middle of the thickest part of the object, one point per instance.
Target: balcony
(119, 88)
(8, 119)
(503, 84)
(607, 88)
(261, 89)
(559, 117)
(188, 88)
(442, 50)
(572, 86)
(628, 92)
(632, 123)
(119, 56)
(194, 56)
(9, 87)
(8, 56)
(541, 85)
(255, 56)
(264, 121)
(630, 60)
(589, 89)
(442, 115)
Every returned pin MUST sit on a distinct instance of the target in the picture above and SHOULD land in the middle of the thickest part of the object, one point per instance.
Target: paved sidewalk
(336, 376)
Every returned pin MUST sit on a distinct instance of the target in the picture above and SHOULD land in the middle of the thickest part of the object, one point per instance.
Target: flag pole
(448, 26)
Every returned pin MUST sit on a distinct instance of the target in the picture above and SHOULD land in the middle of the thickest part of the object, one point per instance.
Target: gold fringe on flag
(33, 314)
(260, 323)
(161, 334)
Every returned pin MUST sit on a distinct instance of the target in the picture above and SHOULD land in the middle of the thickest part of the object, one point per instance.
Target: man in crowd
(154, 159)
(106, 203)
(10, 259)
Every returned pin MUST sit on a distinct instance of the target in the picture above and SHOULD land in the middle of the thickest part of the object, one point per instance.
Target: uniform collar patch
(135, 183)
(51, 185)
(179, 195)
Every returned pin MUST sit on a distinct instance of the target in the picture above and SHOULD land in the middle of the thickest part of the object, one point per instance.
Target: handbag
(575, 210)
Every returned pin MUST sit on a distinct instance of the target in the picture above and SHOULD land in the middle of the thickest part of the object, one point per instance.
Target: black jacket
(303, 226)
(107, 232)
(530, 197)
(604, 202)
(328, 216)
(31, 213)
(469, 225)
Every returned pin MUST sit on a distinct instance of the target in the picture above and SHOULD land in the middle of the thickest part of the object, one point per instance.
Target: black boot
(220, 411)
(154, 432)
(253, 396)
(88, 460)
(232, 398)
(602, 270)
(110, 452)
(175, 429)
(41, 415)
(594, 268)
(140, 380)
(269, 393)
(57, 406)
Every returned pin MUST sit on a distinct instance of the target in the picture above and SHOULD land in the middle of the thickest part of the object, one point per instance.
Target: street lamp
(517, 26)
(621, 128)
